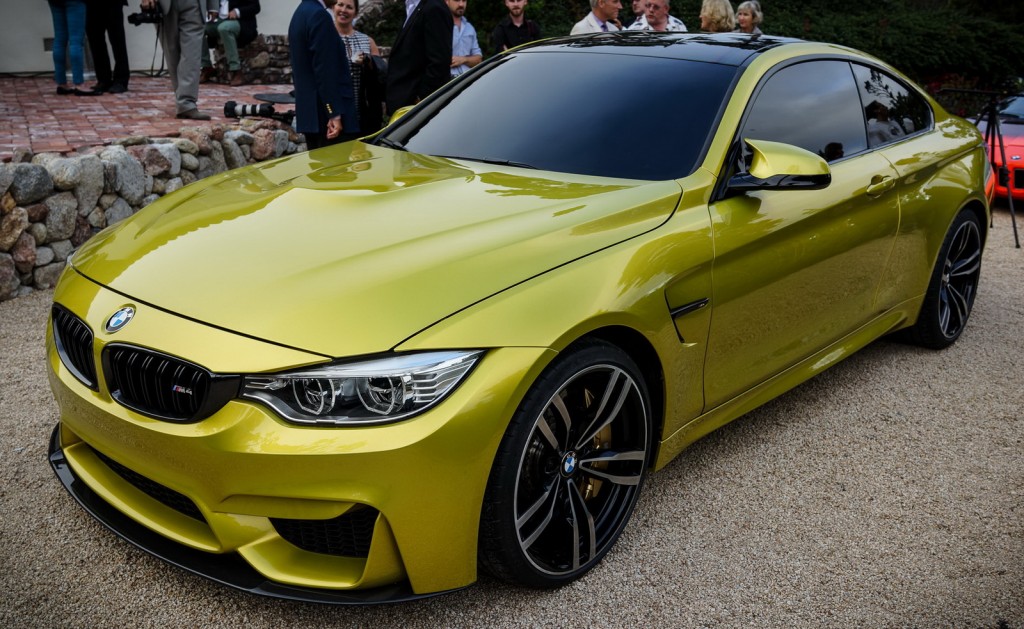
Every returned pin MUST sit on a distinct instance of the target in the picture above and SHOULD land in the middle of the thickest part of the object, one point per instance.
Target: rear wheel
(569, 469)
(953, 286)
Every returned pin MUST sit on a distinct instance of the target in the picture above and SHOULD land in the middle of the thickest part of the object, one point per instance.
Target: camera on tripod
(261, 110)
(146, 16)
(988, 122)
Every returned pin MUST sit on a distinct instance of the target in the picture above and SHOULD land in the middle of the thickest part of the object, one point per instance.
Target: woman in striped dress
(358, 46)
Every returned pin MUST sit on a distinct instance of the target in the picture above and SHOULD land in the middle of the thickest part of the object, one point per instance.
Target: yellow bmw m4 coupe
(357, 374)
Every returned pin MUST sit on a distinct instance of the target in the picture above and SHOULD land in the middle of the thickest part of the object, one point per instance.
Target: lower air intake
(348, 535)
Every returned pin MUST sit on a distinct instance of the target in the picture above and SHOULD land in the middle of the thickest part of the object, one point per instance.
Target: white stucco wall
(25, 24)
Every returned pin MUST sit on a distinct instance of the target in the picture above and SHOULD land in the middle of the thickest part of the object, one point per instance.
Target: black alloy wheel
(953, 286)
(570, 469)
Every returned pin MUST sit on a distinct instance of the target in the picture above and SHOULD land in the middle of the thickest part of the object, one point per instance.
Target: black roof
(725, 48)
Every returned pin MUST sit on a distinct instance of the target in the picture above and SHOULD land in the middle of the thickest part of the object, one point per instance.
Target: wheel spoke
(551, 497)
(967, 266)
(542, 426)
(559, 405)
(959, 305)
(960, 243)
(604, 415)
(579, 506)
(612, 455)
(619, 477)
(944, 310)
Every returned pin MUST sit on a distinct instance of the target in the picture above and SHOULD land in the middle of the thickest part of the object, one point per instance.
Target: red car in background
(1011, 123)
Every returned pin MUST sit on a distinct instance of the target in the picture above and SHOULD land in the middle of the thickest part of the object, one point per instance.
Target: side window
(813, 105)
(892, 110)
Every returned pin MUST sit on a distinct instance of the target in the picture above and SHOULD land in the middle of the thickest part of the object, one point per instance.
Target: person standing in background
(749, 17)
(105, 20)
(603, 17)
(465, 47)
(325, 109)
(68, 42)
(657, 18)
(421, 59)
(638, 13)
(234, 26)
(514, 29)
(716, 16)
(367, 82)
(182, 39)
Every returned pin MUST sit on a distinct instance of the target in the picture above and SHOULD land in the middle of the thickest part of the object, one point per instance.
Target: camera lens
(239, 110)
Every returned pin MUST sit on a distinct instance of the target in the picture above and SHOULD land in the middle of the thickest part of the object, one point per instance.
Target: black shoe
(193, 114)
(100, 88)
(64, 91)
(79, 92)
(117, 88)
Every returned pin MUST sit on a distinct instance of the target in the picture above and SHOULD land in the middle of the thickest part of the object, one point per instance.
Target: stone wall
(264, 61)
(51, 204)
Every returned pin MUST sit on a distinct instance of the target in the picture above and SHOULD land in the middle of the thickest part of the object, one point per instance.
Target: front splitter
(227, 569)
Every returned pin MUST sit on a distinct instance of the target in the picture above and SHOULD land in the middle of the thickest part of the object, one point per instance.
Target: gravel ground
(887, 492)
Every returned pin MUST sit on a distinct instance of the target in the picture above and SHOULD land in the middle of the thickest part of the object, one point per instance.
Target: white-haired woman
(749, 17)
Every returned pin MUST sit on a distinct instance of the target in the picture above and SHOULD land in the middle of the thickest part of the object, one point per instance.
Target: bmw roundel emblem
(569, 464)
(120, 319)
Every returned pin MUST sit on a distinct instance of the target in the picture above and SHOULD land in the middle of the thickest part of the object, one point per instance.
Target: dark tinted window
(813, 105)
(892, 110)
(563, 111)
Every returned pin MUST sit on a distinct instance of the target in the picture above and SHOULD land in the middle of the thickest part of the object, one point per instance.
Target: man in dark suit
(234, 25)
(325, 109)
(104, 19)
(421, 58)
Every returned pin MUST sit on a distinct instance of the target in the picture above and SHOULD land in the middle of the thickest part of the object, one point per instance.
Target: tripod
(994, 139)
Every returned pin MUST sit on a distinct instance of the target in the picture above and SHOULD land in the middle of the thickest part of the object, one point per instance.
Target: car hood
(1012, 132)
(352, 249)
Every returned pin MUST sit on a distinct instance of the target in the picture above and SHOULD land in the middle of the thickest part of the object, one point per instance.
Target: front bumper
(1015, 185)
(228, 570)
(243, 470)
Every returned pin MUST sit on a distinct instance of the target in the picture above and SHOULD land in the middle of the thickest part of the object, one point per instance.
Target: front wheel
(953, 285)
(569, 469)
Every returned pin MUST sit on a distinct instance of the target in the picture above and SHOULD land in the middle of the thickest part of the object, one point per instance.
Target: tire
(569, 469)
(953, 285)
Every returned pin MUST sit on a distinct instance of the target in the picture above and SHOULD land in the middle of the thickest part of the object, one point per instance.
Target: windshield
(1012, 107)
(610, 115)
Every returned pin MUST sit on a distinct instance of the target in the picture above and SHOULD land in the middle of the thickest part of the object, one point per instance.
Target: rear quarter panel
(939, 173)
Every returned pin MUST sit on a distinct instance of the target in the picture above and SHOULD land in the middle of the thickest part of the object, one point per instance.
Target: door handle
(880, 184)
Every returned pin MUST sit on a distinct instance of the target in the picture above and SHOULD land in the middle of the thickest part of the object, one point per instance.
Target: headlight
(361, 393)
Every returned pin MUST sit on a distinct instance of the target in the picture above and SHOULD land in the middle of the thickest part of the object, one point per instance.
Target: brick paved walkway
(33, 116)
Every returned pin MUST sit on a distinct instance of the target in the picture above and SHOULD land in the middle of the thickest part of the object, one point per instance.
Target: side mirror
(398, 114)
(775, 166)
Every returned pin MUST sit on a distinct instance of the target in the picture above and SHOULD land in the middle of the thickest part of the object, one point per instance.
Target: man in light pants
(182, 40)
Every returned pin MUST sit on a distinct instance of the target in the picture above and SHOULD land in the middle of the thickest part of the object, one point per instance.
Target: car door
(901, 128)
(797, 269)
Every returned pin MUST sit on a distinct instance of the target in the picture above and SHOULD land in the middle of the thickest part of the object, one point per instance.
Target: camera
(238, 110)
(261, 110)
(146, 16)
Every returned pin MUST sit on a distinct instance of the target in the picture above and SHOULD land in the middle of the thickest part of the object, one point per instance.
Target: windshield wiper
(498, 162)
(391, 144)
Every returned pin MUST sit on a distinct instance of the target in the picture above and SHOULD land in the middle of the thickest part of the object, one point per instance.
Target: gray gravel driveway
(887, 492)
